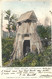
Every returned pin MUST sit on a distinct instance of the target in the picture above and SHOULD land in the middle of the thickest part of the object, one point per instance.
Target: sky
(41, 8)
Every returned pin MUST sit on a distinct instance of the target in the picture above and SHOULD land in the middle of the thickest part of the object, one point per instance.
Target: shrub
(7, 48)
(44, 32)
(16, 63)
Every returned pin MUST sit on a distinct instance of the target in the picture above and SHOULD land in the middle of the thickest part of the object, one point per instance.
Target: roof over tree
(30, 15)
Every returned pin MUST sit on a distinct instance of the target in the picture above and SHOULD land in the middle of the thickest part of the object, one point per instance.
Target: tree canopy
(12, 20)
(44, 32)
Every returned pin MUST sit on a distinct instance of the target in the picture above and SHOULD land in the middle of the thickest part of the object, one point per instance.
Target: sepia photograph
(26, 33)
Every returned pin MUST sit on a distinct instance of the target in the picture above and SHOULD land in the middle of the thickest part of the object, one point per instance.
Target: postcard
(26, 39)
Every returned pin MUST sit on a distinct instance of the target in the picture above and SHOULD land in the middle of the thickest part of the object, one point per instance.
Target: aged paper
(20, 64)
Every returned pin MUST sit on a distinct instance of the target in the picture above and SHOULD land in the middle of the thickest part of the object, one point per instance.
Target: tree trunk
(8, 34)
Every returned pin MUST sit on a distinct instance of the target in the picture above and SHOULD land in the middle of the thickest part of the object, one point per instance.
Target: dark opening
(26, 47)
(26, 35)
(27, 20)
(19, 23)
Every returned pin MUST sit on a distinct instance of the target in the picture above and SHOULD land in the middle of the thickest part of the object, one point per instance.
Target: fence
(6, 34)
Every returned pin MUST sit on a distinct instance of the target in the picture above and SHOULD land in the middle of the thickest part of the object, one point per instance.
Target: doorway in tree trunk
(26, 47)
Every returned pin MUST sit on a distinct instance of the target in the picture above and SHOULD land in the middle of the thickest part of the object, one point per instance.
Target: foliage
(48, 30)
(33, 63)
(14, 27)
(7, 17)
(11, 20)
(8, 28)
(32, 60)
(27, 60)
(8, 13)
(44, 32)
(7, 48)
(44, 57)
(16, 63)
(6, 63)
